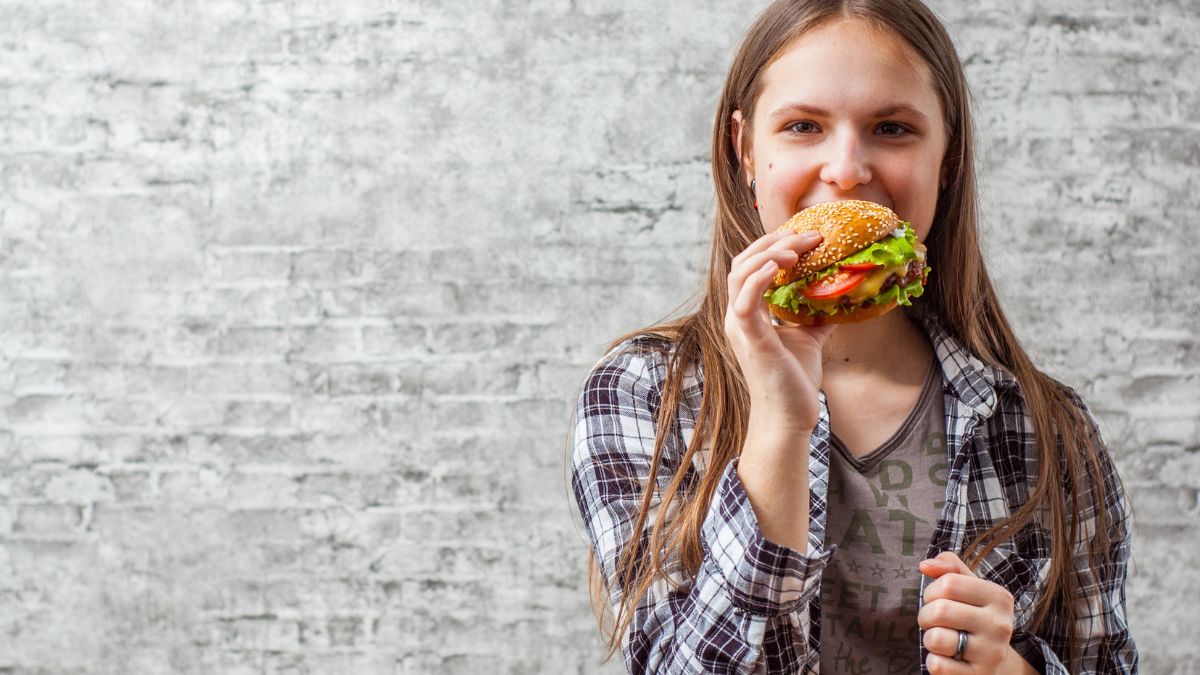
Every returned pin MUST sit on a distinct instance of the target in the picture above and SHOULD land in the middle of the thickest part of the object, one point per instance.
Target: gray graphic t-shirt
(882, 511)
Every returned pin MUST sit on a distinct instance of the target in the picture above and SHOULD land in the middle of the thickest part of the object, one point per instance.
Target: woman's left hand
(957, 600)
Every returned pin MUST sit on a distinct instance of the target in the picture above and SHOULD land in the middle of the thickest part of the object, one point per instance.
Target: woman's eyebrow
(789, 109)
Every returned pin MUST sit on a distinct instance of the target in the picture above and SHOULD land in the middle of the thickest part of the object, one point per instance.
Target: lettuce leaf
(892, 250)
(903, 296)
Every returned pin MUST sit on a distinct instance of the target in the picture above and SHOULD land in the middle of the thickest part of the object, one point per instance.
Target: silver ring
(962, 646)
(776, 321)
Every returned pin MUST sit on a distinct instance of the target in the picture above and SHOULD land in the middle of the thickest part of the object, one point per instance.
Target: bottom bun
(864, 314)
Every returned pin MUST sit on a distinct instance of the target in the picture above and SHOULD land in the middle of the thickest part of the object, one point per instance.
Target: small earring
(754, 192)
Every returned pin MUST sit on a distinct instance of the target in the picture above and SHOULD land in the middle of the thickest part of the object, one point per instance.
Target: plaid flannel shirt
(754, 606)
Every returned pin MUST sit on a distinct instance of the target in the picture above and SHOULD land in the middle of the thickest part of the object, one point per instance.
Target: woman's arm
(747, 608)
(1106, 644)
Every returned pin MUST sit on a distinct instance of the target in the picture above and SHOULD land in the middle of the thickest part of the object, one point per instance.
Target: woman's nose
(846, 165)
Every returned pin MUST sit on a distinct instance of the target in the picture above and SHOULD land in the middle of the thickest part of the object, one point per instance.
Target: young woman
(876, 497)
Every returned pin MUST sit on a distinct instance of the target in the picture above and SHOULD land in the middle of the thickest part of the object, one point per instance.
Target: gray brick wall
(295, 295)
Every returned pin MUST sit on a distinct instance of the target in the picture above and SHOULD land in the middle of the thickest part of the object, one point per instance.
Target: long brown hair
(960, 296)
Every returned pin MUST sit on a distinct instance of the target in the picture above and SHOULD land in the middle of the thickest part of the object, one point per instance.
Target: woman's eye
(892, 129)
(803, 128)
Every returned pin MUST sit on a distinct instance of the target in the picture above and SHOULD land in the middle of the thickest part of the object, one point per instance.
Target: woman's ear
(739, 126)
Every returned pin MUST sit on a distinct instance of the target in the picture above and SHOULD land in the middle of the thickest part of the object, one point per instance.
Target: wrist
(1015, 663)
(781, 418)
(777, 459)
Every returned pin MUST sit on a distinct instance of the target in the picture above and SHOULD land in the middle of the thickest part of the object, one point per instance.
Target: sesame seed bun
(860, 314)
(848, 227)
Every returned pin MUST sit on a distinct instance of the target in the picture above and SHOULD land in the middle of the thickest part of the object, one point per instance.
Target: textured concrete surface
(294, 297)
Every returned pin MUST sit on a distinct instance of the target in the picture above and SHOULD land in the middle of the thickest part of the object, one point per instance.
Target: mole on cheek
(770, 165)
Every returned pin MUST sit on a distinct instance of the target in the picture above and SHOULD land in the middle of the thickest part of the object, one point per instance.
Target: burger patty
(911, 274)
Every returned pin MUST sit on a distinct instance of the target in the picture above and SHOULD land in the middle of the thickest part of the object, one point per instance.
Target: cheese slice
(869, 288)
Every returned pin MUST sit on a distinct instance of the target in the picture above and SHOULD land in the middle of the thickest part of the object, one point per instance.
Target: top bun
(848, 227)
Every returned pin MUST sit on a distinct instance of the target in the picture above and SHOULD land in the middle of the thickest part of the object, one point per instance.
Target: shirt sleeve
(746, 609)
(1106, 644)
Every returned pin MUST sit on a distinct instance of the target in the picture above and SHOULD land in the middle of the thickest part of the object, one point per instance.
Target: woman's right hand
(782, 369)
(781, 364)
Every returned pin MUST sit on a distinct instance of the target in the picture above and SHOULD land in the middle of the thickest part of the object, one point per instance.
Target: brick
(78, 487)
(258, 415)
(420, 298)
(393, 342)
(135, 413)
(272, 303)
(336, 415)
(324, 266)
(352, 490)
(47, 411)
(132, 486)
(233, 265)
(355, 379)
(48, 519)
(253, 342)
(27, 377)
(71, 449)
(115, 381)
(256, 634)
(324, 343)
(248, 378)
(322, 596)
(192, 411)
(315, 663)
(339, 303)
(1182, 469)
(454, 374)
(1182, 432)
(1160, 504)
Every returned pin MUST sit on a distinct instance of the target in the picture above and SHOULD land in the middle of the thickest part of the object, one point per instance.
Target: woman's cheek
(791, 182)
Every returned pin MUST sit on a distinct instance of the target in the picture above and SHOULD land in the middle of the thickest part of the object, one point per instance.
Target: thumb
(946, 562)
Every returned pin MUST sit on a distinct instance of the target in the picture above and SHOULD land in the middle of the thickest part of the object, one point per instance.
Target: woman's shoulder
(638, 366)
(640, 360)
(651, 351)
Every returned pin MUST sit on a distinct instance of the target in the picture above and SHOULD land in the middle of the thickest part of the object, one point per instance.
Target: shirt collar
(973, 382)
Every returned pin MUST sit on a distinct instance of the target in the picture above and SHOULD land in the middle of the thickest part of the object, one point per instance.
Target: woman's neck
(889, 347)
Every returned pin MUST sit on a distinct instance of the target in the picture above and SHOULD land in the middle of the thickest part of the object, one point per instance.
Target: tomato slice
(860, 267)
(834, 285)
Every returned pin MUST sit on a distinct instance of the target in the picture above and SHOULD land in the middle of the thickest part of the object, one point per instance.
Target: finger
(785, 251)
(748, 305)
(757, 246)
(742, 271)
(944, 665)
(944, 563)
(944, 641)
(964, 589)
(800, 242)
(954, 615)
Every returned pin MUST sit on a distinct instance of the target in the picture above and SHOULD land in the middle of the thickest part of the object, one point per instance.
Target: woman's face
(846, 112)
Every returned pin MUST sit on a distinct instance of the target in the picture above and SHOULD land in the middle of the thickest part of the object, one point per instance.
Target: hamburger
(869, 263)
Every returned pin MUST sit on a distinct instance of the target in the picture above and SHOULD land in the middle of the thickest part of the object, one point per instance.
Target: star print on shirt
(855, 567)
(876, 571)
(901, 572)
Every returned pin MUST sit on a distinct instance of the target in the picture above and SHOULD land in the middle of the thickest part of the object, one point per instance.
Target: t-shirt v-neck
(868, 461)
(881, 512)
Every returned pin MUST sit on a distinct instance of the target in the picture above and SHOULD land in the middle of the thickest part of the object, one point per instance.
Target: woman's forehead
(849, 63)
